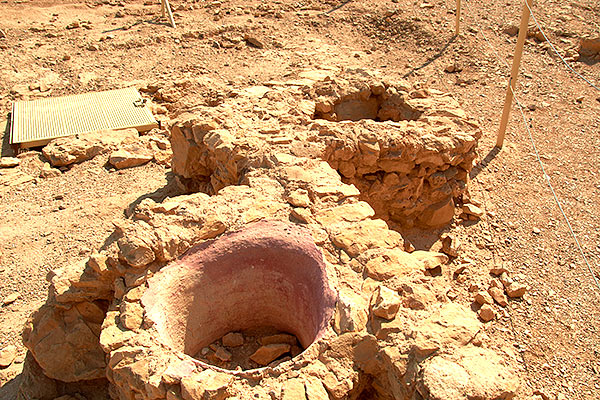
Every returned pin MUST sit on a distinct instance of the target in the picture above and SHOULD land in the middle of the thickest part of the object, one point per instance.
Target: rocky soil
(515, 236)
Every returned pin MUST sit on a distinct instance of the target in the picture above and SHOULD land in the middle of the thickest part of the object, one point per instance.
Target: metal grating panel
(36, 122)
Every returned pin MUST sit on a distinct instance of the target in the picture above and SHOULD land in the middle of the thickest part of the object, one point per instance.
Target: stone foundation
(408, 150)
(277, 239)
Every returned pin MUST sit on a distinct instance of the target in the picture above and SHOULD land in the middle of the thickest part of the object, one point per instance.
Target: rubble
(69, 150)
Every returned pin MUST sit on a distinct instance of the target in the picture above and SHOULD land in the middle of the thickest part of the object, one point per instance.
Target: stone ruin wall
(407, 150)
(263, 159)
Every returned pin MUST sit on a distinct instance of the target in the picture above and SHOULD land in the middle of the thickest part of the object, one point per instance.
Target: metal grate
(36, 122)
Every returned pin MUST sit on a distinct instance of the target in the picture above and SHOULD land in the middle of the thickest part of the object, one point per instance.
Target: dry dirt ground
(60, 47)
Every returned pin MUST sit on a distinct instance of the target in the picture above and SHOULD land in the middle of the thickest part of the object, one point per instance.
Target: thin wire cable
(556, 51)
(558, 203)
(552, 189)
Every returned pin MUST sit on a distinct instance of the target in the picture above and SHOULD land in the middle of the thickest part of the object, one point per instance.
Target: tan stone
(452, 324)
(233, 339)
(482, 298)
(430, 260)
(80, 282)
(279, 338)
(127, 158)
(345, 213)
(360, 236)
(351, 313)
(315, 389)
(9, 162)
(49, 172)
(8, 355)
(516, 289)
(11, 298)
(486, 313)
(136, 249)
(268, 353)
(69, 150)
(65, 342)
(451, 245)
(299, 198)
(469, 373)
(417, 296)
(132, 315)
(498, 295)
(383, 264)
(113, 336)
(472, 209)
(293, 389)
(385, 303)
(302, 214)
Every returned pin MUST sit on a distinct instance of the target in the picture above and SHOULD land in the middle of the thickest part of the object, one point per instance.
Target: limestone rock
(430, 259)
(8, 355)
(49, 172)
(126, 158)
(80, 282)
(65, 343)
(208, 384)
(136, 248)
(351, 313)
(482, 298)
(9, 162)
(315, 389)
(268, 353)
(469, 373)
(451, 324)
(70, 150)
(416, 296)
(233, 339)
(11, 298)
(358, 237)
(472, 209)
(498, 295)
(293, 389)
(383, 264)
(278, 338)
(516, 289)
(345, 213)
(299, 198)
(385, 303)
(451, 245)
(132, 315)
(486, 313)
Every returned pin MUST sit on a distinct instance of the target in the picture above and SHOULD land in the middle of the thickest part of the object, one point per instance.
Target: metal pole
(514, 73)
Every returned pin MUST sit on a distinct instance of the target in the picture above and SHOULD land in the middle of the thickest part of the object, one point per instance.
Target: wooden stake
(162, 8)
(457, 31)
(512, 84)
(168, 7)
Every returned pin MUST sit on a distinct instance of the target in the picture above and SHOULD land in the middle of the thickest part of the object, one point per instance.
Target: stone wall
(408, 150)
(394, 333)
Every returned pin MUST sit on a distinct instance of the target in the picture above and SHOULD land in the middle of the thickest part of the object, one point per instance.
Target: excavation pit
(268, 278)
(366, 104)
